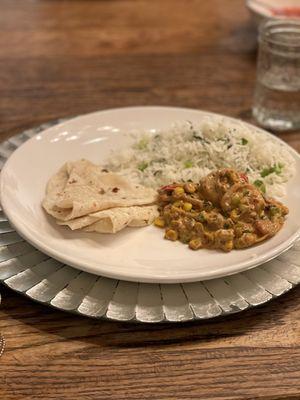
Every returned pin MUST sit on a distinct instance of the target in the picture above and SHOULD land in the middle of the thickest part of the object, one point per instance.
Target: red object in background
(287, 11)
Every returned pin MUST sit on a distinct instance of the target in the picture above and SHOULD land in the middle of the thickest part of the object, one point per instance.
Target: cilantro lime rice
(189, 151)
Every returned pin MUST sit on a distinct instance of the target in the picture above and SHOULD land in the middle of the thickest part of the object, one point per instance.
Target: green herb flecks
(188, 164)
(142, 144)
(277, 169)
(197, 136)
(244, 141)
(260, 185)
(274, 210)
(201, 217)
(142, 166)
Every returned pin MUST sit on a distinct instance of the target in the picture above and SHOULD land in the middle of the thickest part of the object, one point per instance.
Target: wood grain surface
(61, 58)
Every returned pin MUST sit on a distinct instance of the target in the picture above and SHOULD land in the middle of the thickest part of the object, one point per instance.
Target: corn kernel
(195, 244)
(235, 201)
(190, 188)
(234, 215)
(228, 246)
(187, 206)
(159, 222)
(178, 190)
(171, 235)
(177, 203)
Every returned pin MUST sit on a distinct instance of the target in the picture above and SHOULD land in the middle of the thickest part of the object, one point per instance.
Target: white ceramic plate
(134, 254)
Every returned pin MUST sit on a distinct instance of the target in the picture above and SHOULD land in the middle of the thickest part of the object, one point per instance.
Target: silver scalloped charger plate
(32, 273)
(134, 254)
(43, 279)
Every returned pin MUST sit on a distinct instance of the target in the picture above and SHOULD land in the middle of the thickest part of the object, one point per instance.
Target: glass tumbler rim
(271, 27)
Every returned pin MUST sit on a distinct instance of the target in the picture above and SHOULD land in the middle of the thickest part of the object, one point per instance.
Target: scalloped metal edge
(2, 345)
(45, 280)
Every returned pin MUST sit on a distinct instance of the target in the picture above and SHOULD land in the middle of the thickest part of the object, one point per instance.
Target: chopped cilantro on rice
(189, 151)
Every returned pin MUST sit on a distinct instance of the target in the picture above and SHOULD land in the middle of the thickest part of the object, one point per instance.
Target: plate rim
(192, 277)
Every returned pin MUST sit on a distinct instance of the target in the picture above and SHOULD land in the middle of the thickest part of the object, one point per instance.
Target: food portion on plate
(157, 154)
(85, 196)
(211, 205)
(223, 211)
(189, 151)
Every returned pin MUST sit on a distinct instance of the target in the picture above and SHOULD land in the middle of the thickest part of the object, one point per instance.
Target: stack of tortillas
(84, 196)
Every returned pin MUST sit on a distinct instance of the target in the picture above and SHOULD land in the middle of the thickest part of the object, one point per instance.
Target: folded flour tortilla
(83, 196)
(82, 188)
(114, 219)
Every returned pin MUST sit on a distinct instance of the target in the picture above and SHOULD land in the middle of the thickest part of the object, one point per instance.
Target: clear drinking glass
(277, 92)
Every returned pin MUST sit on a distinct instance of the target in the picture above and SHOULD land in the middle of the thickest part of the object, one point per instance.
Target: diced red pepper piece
(169, 187)
(244, 177)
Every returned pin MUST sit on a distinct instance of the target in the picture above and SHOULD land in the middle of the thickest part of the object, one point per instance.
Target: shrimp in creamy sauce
(223, 211)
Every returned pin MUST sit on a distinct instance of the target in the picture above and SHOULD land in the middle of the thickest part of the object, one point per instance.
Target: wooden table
(62, 58)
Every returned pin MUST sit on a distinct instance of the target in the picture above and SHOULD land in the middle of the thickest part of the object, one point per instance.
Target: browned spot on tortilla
(104, 170)
(115, 189)
(101, 191)
(72, 181)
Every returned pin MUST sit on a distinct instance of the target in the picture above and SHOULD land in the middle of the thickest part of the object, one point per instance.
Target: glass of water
(277, 92)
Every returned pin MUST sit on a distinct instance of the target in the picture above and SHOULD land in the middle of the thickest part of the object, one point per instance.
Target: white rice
(189, 151)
